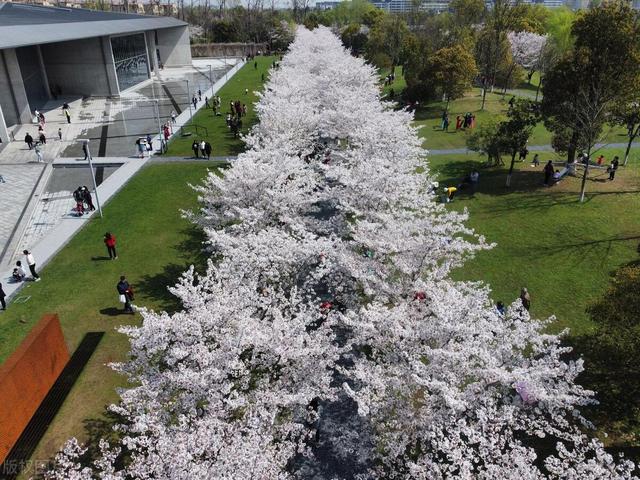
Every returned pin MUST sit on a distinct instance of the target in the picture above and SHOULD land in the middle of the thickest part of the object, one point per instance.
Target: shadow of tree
(156, 286)
(610, 354)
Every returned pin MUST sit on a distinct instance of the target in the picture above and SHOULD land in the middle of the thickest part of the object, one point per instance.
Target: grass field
(428, 117)
(155, 245)
(563, 251)
(222, 141)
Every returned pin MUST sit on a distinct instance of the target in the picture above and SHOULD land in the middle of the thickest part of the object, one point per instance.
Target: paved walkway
(532, 148)
(51, 224)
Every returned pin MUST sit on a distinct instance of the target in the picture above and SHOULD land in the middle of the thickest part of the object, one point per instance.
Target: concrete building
(48, 51)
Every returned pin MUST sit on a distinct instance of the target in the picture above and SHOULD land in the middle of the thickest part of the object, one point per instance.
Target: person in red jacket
(110, 242)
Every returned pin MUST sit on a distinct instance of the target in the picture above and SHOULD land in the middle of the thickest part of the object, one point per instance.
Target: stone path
(531, 148)
(50, 227)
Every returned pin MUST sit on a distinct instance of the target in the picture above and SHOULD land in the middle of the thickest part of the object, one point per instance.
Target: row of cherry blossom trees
(329, 276)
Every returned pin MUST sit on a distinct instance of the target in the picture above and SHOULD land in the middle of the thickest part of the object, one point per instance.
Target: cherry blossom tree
(527, 49)
(329, 278)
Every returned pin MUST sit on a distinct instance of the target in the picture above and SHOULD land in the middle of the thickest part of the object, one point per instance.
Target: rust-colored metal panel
(26, 377)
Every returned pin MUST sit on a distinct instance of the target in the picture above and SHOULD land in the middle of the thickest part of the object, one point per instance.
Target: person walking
(203, 150)
(43, 137)
(59, 133)
(38, 150)
(548, 172)
(110, 242)
(32, 265)
(173, 116)
(525, 298)
(207, 150)
(536, 160)
(125, 294)
(613, 168)
(85, 150)
(67, 114)
(195, 147)
(28, 139)
(2, 297)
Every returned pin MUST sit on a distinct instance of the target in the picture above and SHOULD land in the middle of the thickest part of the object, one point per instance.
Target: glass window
(130, 58)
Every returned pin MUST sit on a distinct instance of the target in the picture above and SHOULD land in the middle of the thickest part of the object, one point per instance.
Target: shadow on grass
(96, 429)
(156, 286)
(113, 311)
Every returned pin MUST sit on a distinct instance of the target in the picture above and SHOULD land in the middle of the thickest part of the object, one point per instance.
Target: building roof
(23, 24)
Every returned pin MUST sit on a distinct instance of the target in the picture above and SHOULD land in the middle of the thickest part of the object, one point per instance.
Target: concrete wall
(151, 50)
(13, 98)
(227, 49)
(173, 44)
(80, 67)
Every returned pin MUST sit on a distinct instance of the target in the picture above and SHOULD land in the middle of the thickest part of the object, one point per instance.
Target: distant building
(326, 5)
(49, 51)
(404, 6)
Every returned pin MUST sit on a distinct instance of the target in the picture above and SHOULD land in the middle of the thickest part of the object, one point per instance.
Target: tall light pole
(189, 99)
(85, 143)
(211, 78)
(156, 104)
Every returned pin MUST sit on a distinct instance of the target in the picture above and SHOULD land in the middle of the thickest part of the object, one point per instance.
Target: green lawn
(561, 250)
(219, 135)
(428, 117)
(155, 245)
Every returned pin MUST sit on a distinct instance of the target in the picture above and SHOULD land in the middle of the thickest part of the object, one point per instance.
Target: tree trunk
(634, 133)
(583, 186)
(513, 162)
(484, 96)
(538, 89)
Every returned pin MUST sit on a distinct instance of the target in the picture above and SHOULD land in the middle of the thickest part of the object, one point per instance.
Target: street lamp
(85, 143)
(189, 99)
(156, 104)
(211, 78)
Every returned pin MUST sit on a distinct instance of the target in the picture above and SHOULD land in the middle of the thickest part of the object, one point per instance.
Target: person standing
(445, 123)
(32, 265)
(173, 116)
(39, 153)
(474, 179)
(110, 242)
(207, 150)
(43, 137)
(67, 114)
(85, 150)
(59, 133)
(203, 150)
(525, 298)
(613, 168)
(86, 198)
(149, 144)
(2, 297)
(199, 95)
(206, 102)
(195, 147)
(28, 139)
(548, 172)
(125, 294)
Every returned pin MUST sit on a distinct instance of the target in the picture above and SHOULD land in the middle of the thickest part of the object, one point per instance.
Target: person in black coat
(2, 296)
(28, 139)
(548, 172)
(125, 294)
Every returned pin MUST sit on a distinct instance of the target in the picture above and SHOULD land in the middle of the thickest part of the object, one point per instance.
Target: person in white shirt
(18, 272)
(32, 265)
